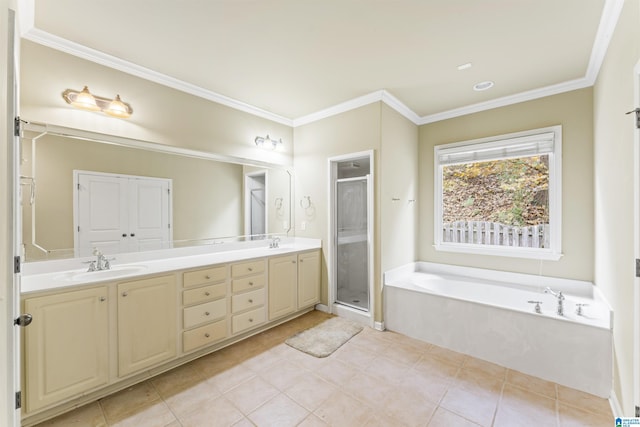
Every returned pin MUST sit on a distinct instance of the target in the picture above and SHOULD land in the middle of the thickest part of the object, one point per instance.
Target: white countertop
(50, 275)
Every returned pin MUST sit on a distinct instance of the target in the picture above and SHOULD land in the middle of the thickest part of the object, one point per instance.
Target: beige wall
(207, 195)
(572, 110)
(614, 186)
(161, 114)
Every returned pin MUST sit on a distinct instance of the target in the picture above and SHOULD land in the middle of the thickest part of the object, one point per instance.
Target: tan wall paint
(614, 186)
(572, 110)
(207, 195)
(161, 114)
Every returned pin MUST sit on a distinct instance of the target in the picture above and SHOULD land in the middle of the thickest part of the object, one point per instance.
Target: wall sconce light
(261, 142)
(86, 101)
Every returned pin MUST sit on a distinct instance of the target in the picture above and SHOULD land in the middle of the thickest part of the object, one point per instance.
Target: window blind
(526, 146)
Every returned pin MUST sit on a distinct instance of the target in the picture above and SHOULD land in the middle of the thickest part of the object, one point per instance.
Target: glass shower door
(352, 242)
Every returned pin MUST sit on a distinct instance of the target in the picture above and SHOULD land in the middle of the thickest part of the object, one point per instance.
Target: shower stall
(351, 229)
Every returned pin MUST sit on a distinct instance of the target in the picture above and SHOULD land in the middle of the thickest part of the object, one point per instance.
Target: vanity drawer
(246, 283)
(247, 300)
(248, 320)
(203, 313)
(204, 276)
(245, 268)
(207, 334)
(206, 293)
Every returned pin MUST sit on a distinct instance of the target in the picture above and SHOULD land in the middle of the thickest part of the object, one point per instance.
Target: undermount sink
(112, 273)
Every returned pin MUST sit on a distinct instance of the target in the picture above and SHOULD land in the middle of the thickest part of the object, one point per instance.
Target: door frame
(248, 178)
(636, 241)
(360, 316)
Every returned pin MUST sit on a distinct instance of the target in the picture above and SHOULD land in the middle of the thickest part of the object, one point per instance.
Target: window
(500, 195)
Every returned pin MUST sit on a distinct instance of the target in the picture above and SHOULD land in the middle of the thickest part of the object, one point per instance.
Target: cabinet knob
(207, 335)
(250, 320)
(207, 277)
(250, 283)
(250, 269)
(301, 260)
(293, 262)
(124, 234)
(206, 313)
(124, 294)
(250, 301)
(207, 294)
(103, 299)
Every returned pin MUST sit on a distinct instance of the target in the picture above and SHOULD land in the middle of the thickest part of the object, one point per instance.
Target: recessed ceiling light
(464, 66)
(483, 86)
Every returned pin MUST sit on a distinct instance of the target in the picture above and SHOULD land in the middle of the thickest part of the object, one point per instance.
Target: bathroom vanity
(94, 333)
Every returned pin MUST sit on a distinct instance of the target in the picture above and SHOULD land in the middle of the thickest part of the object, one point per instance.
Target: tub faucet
(559, 296)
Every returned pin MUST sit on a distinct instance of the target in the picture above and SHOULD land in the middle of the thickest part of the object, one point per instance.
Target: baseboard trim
(379, 326)
(322, 307)
(615, 405)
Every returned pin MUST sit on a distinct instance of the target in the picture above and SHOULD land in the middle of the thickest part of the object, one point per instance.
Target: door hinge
(17, 126)
(18, 399)
(637, 111)
(637, 411)
(637, 267)
(16, 264)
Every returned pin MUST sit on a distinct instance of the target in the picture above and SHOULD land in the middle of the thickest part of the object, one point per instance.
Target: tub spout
(559, 296)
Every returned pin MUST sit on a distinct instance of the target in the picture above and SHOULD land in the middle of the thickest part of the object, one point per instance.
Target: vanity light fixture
(266, 141)
(86, 101)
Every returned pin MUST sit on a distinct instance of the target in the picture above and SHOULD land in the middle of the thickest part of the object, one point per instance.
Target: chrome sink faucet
(559, 296)
(101, 262)
(275, 242)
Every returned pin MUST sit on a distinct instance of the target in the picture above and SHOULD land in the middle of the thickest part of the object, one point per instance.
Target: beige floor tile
(444, 418)
(403, 353)
(573, 417)
(283, 374)
(477, 382)
(280, 411)
(232, 377)
(129, 401)
(154, 415)
(311, 391)
(263, 360)
(221, 410)
(305, 360)
(369, 389)
(337, 372)
(371, 342)
(244, 422)
(447, 355)
(175, 423)
(521, 408)
(435, 366)
(340, 409)
(477, 405)
(387, 370)
(251, 394)
(312, 421)
(354, 355)
(381, 419)
(213, 364)
(193, 398)
(488, 368)
(408, 408)
(584, 401)
(177, 380)
(527, 382)
(86, 416)
(429, 387)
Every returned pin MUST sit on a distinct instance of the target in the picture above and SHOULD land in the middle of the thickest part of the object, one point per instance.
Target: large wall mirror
(213, 198)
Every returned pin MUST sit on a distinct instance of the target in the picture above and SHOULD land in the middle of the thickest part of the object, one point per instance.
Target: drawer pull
(250, 269)
(293, 262)
(102, 299)
(206, 313)
(207, 277)
(124, 294)
(207, 335)
(250, 301)
(207, 293)
(250, 283)
(250, 320)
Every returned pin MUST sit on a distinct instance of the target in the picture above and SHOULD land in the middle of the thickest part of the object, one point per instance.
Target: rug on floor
(325, 338)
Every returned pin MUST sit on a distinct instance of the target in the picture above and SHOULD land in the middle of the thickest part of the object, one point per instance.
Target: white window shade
(526, 146)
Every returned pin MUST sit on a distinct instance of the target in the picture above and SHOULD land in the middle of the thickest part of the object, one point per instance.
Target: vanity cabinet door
(308, 279)
(283, 282)
(66, 346)
(147, 323)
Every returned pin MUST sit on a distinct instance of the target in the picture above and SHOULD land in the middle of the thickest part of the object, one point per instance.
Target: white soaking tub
(487, 314)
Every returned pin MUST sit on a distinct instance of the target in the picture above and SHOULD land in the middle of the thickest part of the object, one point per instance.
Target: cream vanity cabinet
(294, 283)
(204, 312)
(147, 323)
(248, 295)
(66, 345)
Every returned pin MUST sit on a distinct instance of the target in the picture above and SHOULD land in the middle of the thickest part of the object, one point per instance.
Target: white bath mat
(325, 338)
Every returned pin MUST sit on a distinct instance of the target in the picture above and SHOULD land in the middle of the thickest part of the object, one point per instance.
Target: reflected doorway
(255, 204)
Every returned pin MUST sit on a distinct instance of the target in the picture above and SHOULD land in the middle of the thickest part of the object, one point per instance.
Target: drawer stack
(204, 313)
(248, 298)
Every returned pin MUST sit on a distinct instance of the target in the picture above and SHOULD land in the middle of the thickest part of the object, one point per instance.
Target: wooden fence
(493, 233)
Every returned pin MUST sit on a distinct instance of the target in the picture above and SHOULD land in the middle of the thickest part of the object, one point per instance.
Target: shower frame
(335, 307)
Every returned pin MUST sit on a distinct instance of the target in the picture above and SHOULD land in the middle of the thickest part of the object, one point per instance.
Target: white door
(636, 145)
(118, 214)
(102, 214)
(149, 212)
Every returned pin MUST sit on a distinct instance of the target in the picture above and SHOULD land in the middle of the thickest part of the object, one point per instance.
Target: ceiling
(294, 58)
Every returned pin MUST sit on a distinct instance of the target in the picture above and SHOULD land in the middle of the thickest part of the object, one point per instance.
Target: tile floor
(376, 379)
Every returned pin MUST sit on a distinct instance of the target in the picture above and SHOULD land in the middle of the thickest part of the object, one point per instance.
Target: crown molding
(608, 20)
(47, 39)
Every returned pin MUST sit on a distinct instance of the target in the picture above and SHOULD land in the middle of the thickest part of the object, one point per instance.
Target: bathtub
(487, 314)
